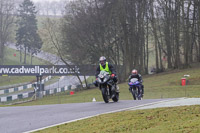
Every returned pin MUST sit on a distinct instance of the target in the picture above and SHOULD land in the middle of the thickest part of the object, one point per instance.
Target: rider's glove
(112, 75)
(95, 82)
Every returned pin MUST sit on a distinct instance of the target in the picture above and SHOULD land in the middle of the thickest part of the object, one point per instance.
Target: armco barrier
(1, 92)
(14, 97)
(30, 94)
(63, 89)
(46, 92)
(20, 88)
(9, 98)
(20, 96)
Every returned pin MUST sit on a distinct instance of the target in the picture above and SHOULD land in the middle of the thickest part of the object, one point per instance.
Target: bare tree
(54, 7)
(52, 31)
(6, 22)
(122, 30)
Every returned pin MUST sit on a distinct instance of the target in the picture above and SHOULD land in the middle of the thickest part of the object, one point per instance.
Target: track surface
(27, 118)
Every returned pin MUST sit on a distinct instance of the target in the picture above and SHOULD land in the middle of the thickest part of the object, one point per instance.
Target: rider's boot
(142, 90)
(117, 88)
(129, 89)
(95, 83)
(112, 88)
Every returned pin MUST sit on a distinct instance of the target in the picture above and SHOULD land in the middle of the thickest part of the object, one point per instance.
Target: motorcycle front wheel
(134, 93)
(105, 95)
(139, 94)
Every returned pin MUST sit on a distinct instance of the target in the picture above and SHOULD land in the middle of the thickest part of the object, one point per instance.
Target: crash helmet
(102, 60)
(134, 72)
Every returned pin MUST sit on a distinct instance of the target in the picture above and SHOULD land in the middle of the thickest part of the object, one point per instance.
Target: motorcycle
(134, 85)
(107, 87)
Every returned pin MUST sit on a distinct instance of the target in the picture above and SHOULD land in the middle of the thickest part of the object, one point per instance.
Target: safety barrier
(20, 88)
(43, 93)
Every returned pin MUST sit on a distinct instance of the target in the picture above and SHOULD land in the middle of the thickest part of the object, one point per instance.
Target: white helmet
(134, 72)
(102, 60)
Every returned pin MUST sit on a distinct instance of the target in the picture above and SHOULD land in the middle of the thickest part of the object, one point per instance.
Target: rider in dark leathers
(134, 74)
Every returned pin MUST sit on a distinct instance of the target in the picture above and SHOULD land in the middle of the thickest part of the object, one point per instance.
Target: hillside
(163, 85)
(10, 59)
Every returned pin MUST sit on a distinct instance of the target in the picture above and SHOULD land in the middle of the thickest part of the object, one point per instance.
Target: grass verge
(164, 85)
(162, 120)
(10, 59)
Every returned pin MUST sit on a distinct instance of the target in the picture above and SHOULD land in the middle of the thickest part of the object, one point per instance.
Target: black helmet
(102, 60)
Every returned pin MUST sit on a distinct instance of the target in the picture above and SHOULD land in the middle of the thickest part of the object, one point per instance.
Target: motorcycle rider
(134, 74)
(108, 67)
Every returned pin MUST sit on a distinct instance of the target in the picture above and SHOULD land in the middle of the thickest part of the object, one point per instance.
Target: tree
(54, 7)
(112, 28)
(124, 30)
(6, 24)
(52, 28)
(27, 37)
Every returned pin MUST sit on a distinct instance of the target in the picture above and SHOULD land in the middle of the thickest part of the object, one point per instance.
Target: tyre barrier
(20, 88)
(40, 94)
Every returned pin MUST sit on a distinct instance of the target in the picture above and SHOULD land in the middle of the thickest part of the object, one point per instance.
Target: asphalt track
(31, 118)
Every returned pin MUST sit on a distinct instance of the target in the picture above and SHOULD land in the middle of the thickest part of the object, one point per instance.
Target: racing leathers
(109, 68)
(139, 77)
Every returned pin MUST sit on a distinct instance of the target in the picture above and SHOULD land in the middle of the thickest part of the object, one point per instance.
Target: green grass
(47, 43)
(12, 80)
(164, 85)
(10, 59)
(90, 79)
(162, 120)
(53, 79)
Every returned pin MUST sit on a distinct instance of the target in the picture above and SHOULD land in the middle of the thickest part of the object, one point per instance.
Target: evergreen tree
(7, 8)
(27, 37)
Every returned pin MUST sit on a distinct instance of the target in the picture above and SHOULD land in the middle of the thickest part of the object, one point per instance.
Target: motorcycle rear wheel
(116, 98)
